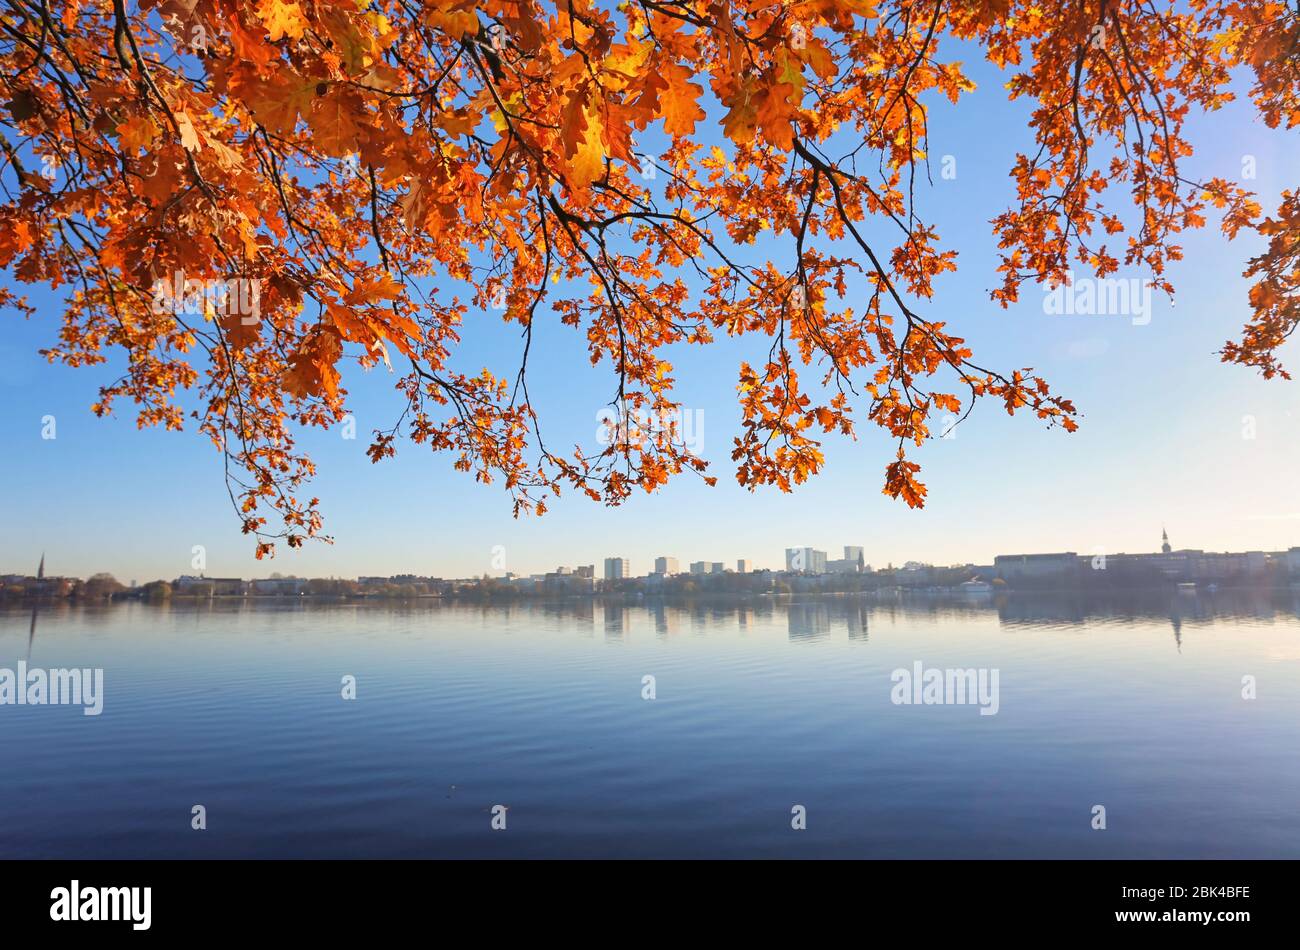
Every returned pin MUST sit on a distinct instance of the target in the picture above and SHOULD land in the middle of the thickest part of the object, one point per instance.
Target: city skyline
(613, 568)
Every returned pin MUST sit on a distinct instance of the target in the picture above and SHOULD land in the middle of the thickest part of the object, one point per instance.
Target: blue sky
(1161, 438)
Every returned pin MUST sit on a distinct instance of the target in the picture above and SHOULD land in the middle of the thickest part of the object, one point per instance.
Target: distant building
(1182, 566)
(805, 560)
(707, 567)
(666, 565)
(617, 568)
(1036, 568)
(744, 566)
(585, 570)
(393, 580)
(851, 563)
(284, 586)
(1185, 565)
(1293, 561)
(218, 586)
(569, 582)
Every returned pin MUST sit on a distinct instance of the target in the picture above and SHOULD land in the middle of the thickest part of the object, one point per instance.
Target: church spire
(1164, 538)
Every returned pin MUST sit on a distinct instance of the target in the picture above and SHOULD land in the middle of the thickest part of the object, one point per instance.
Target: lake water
(1134, 705)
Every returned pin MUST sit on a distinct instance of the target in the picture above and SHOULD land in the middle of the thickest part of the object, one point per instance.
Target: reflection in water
(618, 621)
(856, 618)
(805, 618)
(666, 622)
(809, 621)
(583, 611)
(1200, 606)
(761, 702)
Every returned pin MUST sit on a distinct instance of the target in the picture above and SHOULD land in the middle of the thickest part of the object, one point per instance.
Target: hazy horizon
(757, 564)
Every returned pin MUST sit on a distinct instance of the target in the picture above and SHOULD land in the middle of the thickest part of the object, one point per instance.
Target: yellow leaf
(583, 148)
(189, 137)
(741, 121)
(281, 18)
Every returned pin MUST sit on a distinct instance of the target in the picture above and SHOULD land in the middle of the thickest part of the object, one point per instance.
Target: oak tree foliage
(382, 171)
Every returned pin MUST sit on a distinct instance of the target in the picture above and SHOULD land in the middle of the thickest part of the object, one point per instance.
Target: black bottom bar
(1223, 900)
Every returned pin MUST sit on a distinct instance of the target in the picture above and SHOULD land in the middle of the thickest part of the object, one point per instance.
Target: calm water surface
(1134, 705)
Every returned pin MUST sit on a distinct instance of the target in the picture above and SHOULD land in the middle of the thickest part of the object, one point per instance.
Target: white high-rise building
(744, 566)
(851, 563)
(805, 560)
(617, 568)
(666, 565)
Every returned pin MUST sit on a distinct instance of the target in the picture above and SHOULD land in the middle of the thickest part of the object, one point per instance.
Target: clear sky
(1161, 441)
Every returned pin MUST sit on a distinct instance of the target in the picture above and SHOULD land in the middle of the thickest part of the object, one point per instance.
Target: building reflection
(809, 621)
(811, 618)
(618, 621)
(856, 620)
